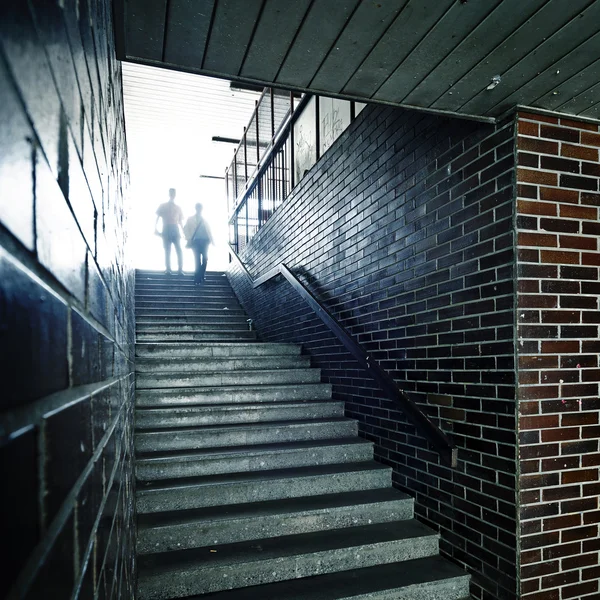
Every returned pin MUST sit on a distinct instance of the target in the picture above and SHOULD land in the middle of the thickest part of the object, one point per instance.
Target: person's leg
(177, 245)
(167, 246)
(198, 263)
(204, 252)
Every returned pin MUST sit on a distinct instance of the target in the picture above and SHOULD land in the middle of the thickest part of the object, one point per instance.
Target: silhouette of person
(172, 217)
(199, 237)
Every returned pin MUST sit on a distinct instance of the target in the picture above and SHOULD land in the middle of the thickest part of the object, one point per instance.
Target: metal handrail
(442, 443)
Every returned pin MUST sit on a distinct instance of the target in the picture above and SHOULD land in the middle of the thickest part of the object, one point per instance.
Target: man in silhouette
(172, 219)
(199, 237)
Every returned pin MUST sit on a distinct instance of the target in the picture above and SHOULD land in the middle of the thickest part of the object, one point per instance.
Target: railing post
(292, 169)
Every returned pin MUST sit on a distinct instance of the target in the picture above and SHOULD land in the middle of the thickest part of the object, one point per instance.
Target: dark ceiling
(476, 58)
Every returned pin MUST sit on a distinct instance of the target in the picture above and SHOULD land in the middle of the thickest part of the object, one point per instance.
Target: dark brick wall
(405, 230)
(558, 316)
(66, 324)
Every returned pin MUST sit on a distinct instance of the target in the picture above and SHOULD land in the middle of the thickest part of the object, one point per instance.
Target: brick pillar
(558, 346)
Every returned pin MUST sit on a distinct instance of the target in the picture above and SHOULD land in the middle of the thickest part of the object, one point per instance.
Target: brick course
(558, 360)
(405, 229)
(66, 322)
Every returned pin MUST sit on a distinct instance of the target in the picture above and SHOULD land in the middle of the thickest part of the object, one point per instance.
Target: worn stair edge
(192, 416)
(233, 394)
(146, 350)
(205, 364)
(258, 486)
(171, 438)
(430, 578)
(197, 571)
(240, 377)
(165, 532)
(174, 464)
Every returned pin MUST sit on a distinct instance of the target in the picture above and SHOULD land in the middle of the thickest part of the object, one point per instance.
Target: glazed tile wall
(66, 321)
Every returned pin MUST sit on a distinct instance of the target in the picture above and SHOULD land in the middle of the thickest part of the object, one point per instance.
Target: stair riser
(452, 589)
(188, 312)
(268, 434)
(183, 305)
(197, 417)
(145, 380)
(224, 317)
(144, 351)
(158, 469)
(182, 498)
(221, 326)
(230, 531)
(317, 391)
(203, 365)
(214, 336)
(202, 579)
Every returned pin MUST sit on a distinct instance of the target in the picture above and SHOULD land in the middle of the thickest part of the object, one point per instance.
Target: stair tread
(257, 449)
(191, 408)
(302, 504)
(358, 583)
(242, 426)
(285, 546)
(257, 476)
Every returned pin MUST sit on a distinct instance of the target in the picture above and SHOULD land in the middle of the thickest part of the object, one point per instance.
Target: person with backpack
(199, 237)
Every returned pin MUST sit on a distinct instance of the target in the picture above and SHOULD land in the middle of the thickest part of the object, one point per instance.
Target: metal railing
(287, 134)
(429, 430)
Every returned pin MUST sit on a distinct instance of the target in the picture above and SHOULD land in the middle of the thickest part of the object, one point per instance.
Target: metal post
(292, 173)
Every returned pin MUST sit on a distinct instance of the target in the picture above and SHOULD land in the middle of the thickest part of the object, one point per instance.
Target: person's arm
(156, 225)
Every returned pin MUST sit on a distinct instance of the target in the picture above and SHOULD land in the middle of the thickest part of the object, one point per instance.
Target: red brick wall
(558, 348)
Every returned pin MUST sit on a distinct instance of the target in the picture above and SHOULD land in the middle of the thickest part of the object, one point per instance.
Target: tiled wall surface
(558, 348)
(405, 229)
(66, 326)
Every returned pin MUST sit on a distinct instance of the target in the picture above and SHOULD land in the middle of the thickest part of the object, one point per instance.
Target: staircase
(251, 483)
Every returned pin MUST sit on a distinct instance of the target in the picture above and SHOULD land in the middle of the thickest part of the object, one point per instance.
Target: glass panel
(281, 108)
(305, 140)
(264, 124)
(334, 117)
(251, 142)
(242, 231)
(358, 106)
(267, 186)
(252, 204)
(239, 171)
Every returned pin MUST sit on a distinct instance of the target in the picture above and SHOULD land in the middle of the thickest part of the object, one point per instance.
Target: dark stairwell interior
(461, 254)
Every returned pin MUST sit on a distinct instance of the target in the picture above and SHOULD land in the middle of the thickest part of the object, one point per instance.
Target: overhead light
(210, 177)
(224, 140)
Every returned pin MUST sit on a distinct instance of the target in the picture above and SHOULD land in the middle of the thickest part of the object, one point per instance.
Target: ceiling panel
(171, 118)
(435, 55)
(188, 22)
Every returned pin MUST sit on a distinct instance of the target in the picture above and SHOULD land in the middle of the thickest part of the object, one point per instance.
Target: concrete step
(199, 571)
(178, 303)
(199, 416)
(214, 365)
(241, 377)
(232, 394)
(194, 336)
(222, 317)
(259, 486)
(152, 466)
(428, 578)
(218, 436)
(193, 327)
(141, 274)
(222, 350)
(186, 297)
(141, 313)
(181, 530)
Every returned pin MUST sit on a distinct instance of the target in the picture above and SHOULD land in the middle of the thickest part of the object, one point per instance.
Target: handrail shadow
(440, 441)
